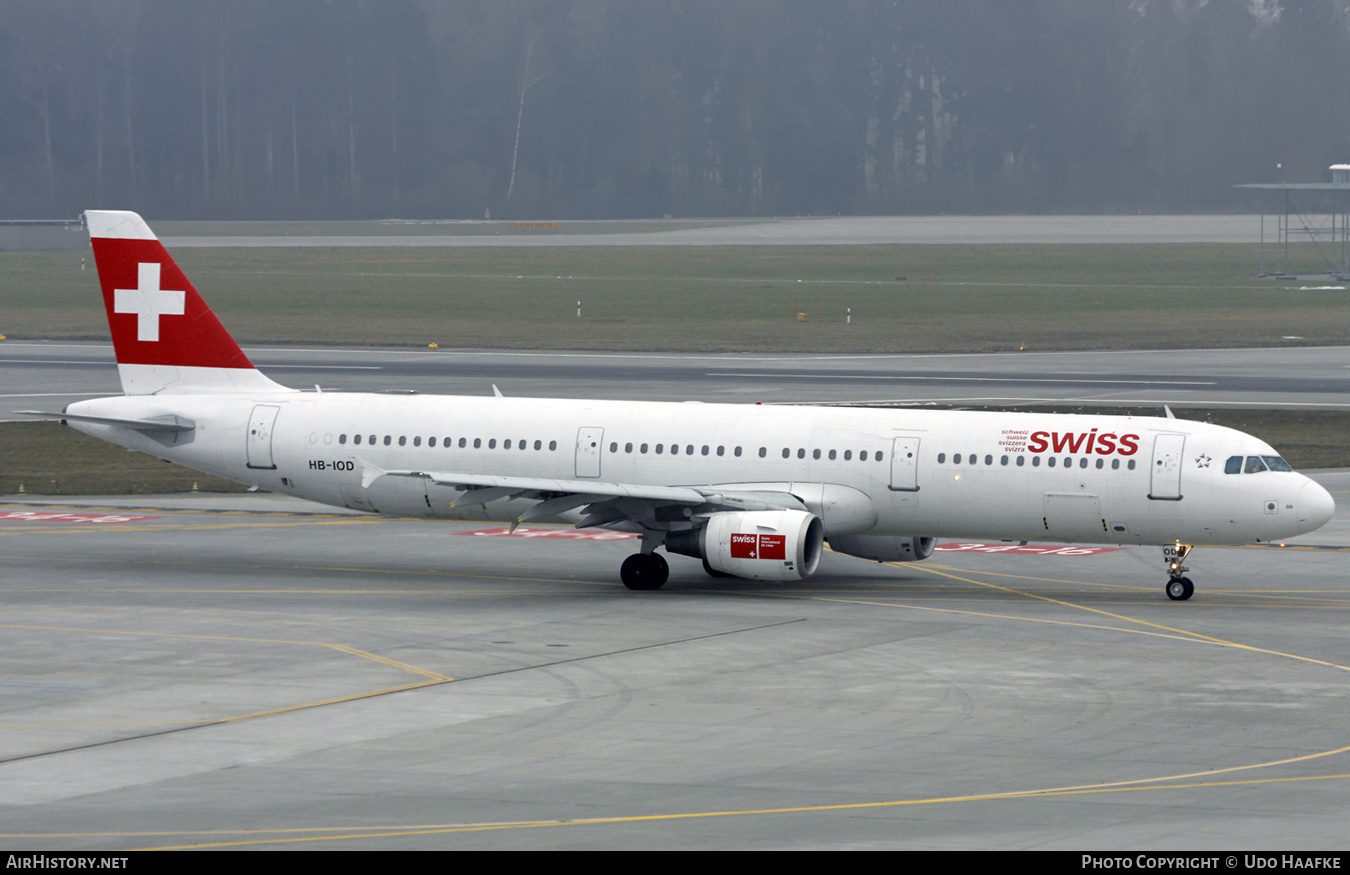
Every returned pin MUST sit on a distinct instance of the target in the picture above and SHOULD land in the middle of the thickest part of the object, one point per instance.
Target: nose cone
(1316, 507)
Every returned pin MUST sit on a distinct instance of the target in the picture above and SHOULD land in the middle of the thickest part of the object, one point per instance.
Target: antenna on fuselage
(1168, 411)
(497, 392)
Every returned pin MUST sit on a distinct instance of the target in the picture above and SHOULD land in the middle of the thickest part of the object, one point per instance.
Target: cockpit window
(1254, 465)
(1233, 465)
(1275, 463)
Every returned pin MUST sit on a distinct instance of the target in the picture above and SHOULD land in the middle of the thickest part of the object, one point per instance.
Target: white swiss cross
(148, 302)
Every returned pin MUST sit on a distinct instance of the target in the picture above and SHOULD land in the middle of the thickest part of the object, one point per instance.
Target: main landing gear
(644, 571)
(1179, 587)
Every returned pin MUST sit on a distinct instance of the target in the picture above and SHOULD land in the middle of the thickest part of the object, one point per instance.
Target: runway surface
(47, 376)
(253, 671)
(828, 231)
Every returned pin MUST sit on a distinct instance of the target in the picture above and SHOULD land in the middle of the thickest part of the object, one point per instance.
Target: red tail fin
(164, 335)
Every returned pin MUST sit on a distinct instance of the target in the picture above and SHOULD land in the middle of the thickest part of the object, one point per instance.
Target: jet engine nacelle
(761, 545)
(883, 549)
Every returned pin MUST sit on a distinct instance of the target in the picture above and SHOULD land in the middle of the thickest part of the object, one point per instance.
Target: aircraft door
(1165, 473)
(260, 424)
(590, 443)
(905, 465)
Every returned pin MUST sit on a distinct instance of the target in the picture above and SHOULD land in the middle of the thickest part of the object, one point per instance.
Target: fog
(277, 109)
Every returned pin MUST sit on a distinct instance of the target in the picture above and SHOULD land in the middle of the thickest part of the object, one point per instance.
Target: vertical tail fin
(165, 337)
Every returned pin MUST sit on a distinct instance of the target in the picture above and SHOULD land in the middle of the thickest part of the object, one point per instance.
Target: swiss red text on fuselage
(1102, 444)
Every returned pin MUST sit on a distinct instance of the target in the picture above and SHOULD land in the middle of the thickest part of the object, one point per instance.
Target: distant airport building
(1321, 215)
(32, 234)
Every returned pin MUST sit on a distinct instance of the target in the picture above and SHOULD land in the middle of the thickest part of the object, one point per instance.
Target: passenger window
(848, 455)
(492, 444)
(388, 439)
(786, 452)
(763, 451)
(1003, 460)
(539, 445)
(738, 452)
(989, 460)
(1021, 460)
(417, 441)
(721, 450)
(462, 442)
(477, 443)
(832, 456)
(878, 457)
(1050, 461)
(956, 458)
(942, 457)
(431, 442)
(614, 447)
(660, 448)
(628, 448)
(1082, 463)
(1036, 461)
(1131, 465)
(801, 453)
(1101, 463)
(689, 450)
(705, 450)
(674, 449)
(403, 440)
(371, 440)
(552, 445)
(506, 444)
(642, 449)
(446, 442)
(815, 454)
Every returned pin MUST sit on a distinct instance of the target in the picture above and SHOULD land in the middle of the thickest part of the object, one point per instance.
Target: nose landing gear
(1179, 587)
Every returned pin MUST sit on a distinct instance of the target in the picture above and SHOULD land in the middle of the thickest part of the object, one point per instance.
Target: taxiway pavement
(254, 671)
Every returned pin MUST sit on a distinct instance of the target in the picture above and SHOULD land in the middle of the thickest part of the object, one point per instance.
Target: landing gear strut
(644, 571)
(1179, 587)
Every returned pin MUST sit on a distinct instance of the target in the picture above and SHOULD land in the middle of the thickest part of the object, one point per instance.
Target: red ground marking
(35, 516)
(565, 534)
(1028, 550)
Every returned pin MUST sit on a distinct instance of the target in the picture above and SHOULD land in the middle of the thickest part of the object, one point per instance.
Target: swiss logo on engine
(758, 546)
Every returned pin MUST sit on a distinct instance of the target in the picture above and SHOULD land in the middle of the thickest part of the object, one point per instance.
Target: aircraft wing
(605, 502)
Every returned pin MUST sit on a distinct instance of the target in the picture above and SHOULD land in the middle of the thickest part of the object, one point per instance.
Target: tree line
(269, 109)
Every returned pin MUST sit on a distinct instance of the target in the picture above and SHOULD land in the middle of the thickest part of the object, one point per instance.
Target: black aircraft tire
(644, 571)
(1180, 589)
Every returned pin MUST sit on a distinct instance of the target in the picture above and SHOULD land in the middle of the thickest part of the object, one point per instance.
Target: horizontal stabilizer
(167, 422)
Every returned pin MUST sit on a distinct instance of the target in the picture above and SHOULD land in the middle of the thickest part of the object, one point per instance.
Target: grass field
(49, 459)
(718, 298)
(711, 298)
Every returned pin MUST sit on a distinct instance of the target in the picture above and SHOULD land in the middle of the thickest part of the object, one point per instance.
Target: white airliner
(753, 491)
